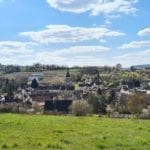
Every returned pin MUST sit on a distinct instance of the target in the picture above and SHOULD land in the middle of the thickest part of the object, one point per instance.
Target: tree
(102, 104)
(93, 100)
(137, 102)
(21, 81)
(80, 108)
(122, 103)
(132, 68)
(118, 67)
(34, 84)
(112, 96)
(8, 86)
(109, 110)
(133, 76)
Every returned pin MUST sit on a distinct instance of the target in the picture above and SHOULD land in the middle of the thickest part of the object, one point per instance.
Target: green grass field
(43, 132)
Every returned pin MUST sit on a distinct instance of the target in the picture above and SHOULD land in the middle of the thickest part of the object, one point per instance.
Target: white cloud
(15, 52)
(109, 18)
(87, 61)
(136, 44)
(77, 50)
(77, 55)
(96, 7)
(80, 60)
(136, 58)
(65, 33)
(102, 41)
(86, 50)
(144, 32)
(15, 47)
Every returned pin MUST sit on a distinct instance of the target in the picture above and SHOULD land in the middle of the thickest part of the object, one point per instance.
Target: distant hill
(140, 67)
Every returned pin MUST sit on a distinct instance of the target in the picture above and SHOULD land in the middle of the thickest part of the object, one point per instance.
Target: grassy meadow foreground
(31, 132)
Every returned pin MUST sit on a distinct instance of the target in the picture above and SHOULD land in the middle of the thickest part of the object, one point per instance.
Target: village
(37, 97)
(74, 75)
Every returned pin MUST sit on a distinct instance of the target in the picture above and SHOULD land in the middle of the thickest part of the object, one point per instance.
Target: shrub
(109, 110)
(97, 102)
(145, 113)
(36, 107)
(93, 100)
(80, 108)
(137, 103)
(9, 108)
(122, 105)
(22, 110)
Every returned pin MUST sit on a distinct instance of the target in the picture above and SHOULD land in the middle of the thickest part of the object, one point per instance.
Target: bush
(9, 108)
(80, 108)
(145, 113)
(97, 102)
(122, 105)
(36, 107)
(109, 110)
(22, 110)
(137, 103)
(93, 100)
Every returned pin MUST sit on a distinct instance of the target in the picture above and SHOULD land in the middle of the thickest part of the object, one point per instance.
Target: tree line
(30, 68)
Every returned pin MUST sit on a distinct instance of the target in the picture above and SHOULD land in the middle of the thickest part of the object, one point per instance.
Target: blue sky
(75, 32)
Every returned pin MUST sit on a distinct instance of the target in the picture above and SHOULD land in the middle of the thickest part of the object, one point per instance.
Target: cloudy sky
(75, 32)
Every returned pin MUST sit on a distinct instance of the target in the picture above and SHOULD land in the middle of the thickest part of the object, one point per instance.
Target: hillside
(72, 133)
(57, 76)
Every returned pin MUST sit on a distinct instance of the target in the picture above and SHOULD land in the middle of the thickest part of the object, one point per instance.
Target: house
(58, 105)
(2, 99)
(10, 99)
(145, 84)
(131, 84)
(37, 76)
(41, 97)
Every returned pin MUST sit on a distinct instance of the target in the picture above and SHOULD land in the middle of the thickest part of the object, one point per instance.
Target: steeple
(68, 78)
(98, 76)
(67, 74)
(97, 81)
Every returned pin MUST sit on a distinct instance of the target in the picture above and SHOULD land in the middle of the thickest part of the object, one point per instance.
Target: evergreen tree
(34, 84)
(8, 87)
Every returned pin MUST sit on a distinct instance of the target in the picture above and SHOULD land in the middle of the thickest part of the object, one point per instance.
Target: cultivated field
(29, 132)
(50, 77)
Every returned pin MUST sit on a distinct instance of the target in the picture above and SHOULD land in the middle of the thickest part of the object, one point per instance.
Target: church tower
(68, 78)
(97, 79)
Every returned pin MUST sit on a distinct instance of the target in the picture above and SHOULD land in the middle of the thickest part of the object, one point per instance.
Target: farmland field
(43, 132)
(50, 77)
